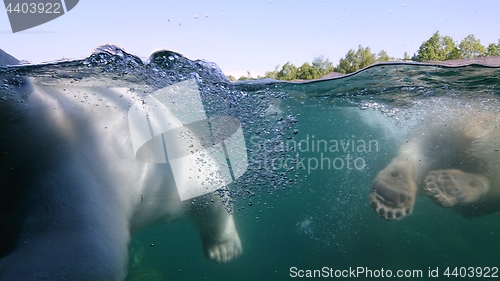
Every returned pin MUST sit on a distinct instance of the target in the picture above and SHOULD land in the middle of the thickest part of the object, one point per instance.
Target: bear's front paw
(223, 244)
(225, 251)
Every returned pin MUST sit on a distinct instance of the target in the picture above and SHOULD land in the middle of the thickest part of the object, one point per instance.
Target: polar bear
(453, 156)
(72, 191)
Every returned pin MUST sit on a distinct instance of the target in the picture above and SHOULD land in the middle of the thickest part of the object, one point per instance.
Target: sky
(252, 35)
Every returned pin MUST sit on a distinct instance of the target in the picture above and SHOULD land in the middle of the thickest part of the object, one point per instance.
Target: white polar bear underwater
(72, 191)
(453, 156)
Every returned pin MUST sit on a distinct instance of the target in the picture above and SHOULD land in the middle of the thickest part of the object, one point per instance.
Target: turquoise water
(307, 206)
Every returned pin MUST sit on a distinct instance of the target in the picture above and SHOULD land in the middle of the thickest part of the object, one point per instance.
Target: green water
(325, 220)
(314, 215)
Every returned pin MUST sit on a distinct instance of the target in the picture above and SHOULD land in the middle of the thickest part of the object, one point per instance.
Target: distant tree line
(436, 48)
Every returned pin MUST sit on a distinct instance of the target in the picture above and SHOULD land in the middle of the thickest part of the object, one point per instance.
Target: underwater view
(308, 200)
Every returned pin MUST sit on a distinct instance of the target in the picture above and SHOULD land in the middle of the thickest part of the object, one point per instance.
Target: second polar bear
(454, 157)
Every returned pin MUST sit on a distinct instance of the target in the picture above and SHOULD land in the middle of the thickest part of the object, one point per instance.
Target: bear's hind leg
(452, 187)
